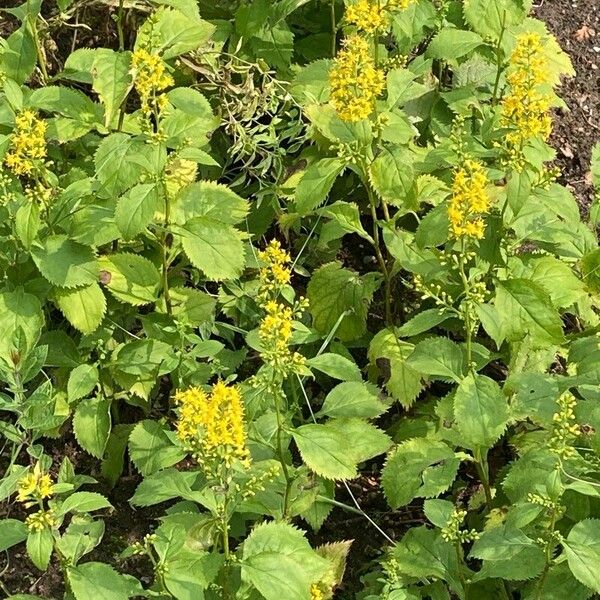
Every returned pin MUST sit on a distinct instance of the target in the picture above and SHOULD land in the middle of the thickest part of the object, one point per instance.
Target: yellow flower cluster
(27, 143)
(355, 80)
(151, 77)
(276, 272)
(566, 429)
(526, 108)
(42, 519)
(179, 172)
(316, 593)
(276, 327)
(36, 485)
(212, 425)
(366, 15)
(469, 200)
(398, 4)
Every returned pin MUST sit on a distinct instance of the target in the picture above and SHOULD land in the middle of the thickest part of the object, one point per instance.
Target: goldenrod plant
(253, 251)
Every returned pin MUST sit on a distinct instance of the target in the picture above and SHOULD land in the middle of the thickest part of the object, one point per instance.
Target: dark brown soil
(576, 24)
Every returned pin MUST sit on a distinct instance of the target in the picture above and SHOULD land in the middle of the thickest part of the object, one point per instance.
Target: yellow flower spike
(42, 519)
(469, 201)
(355, 81)
(276, 271)
(36, 485)
(526, 108)
(398, 4)
(316, 593)
(150, 78)
(212, 425)
(366, 15)
(27, 143)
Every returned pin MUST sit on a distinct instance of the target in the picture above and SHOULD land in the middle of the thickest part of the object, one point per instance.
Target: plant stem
(467, 312)
(379, 255)
(540, 587)
(333, 30)
(226, 552)
(281, 455)
(39, 50)
(483, 472)
(120, 32)
(165, 252)
(499, 60)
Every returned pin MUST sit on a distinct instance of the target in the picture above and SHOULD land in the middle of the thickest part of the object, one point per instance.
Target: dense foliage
(252, 250)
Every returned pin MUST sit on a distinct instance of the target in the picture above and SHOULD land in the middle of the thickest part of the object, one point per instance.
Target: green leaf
(83, 307)
(27, 223)
(387, 354)
(213, 247)
(192, 306)
(423, 322)
(130, 278)
(170, 33)
(84, 502)
(526, 309)
(439, 358)
(209, 199)
(439, 512)
(490, 17)
(151, 448)
(392, 176)
(102, 582)
(402, 87)
(559, 584)
(336, 366)
(481, 412)
(65, 263)
(19, 312)
(335, 293)
(582, 549)
(82, 381)
(112, 80)
(135, 209)
(189, 572)
(331, 452)
(65, 101)
(168, 484)
(279, 562)
(421, 553)
(19, 55)
(114, 453)
(347, 217)
(326, 450)
(116, 166)
(91, 425)
(418, 468)
(353, 399)
(501, 543)
(12, 532)
(39, 547)
(316, 183)
(453, 43)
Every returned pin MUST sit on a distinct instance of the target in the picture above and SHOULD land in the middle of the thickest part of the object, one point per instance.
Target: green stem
(499, 60)
(40, 51)
(483, 472)
(120, 32)
(540, 587)
(467, 311)
(379, 255)
(281, 455)
(226, 551)
(333, 30)
(165, 252)
(460, 562)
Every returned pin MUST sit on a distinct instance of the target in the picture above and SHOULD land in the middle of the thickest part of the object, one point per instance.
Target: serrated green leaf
(336, 293)
(130, 278)
(582, 549)
(91, 425)
(84, 502)
(353, 399)
(526, 309)
(418, 468)
(452, 43)
(82, 381)
(65, 263)
(101, 581)
(480, 411)
(213, 247)
(439, 358)
(19, 311)
(39, 547)
(12, 532)
(136, 208)
(490, 18)
(83, 307)
(279, 562)
(388, 354)
(112, 80)
(151, 449)
(392, 176)
(336, 366)
(316, 183)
